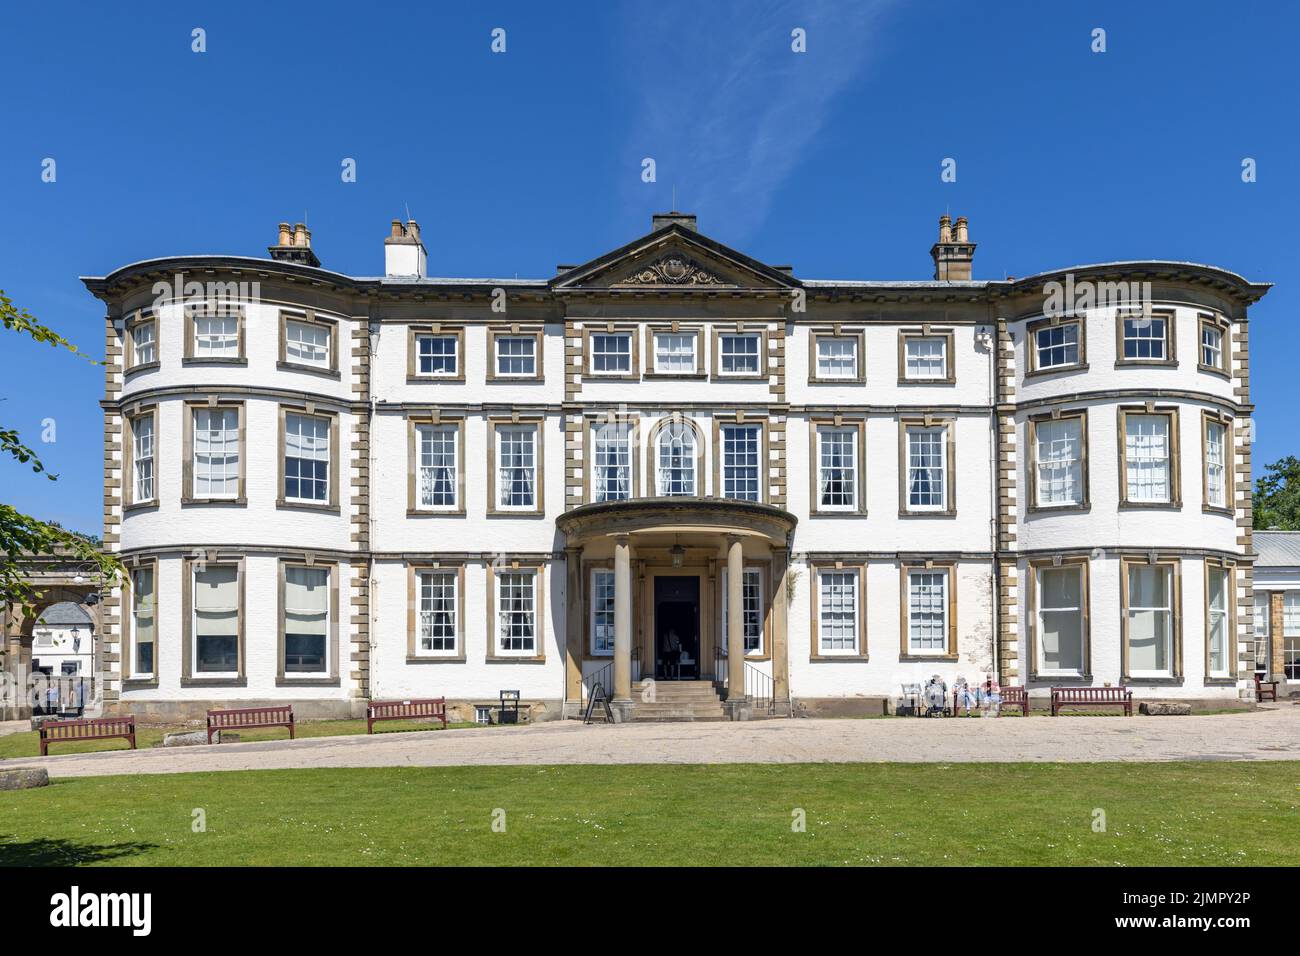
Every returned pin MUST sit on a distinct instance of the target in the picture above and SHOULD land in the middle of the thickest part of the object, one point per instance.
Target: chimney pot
(945, 229)
(397, 229)
(961, 229)
(413, 229)
(286, 235)
(300, 235)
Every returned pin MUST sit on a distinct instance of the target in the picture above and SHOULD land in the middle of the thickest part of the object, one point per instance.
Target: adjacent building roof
(1277, 549)
(64, 613)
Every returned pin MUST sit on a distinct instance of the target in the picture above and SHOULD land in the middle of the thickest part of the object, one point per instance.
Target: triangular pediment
(676, 258)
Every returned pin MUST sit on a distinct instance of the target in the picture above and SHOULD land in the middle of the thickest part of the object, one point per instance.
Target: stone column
(622, 619)
(780, 641)
(573, 620)
(735, 620)
(1277, 645)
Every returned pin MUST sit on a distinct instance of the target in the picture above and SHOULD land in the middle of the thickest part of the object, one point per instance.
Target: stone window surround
(282, 679)
(590, 423)
(1175, 502)
(1031, 503)
(815, 424)
(950, 454)
(241, 358)
(130, 415)
(415, 332)
(815, 654)
(764, 451)
(538, 567)
(1031, 345)
(187, 478)
(674, 328)
(1230, 651)
(130, 682)
(513, 331)
(1229, 463)
(413, 571)
(926, 331)
(739, 328)
(857, 333)
(1031, 625)
(1214, 321)
(905, 608)
(539, 455)
(1175, 564)
(310, 410)
(414, 423)
(136, 319)
(590, 328)
(1171, 338)
(308, 317)
(187, 622)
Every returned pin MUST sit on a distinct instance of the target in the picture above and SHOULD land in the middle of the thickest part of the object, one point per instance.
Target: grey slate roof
(64, 613)
(1277, 549)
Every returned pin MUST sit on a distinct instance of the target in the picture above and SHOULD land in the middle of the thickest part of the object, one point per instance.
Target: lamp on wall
(678, 554)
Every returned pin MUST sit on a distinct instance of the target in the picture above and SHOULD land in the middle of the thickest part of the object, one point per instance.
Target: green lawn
(28, 744)
(1187, 814)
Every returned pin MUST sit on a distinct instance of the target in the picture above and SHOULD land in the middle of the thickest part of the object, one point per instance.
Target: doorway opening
(677, 627)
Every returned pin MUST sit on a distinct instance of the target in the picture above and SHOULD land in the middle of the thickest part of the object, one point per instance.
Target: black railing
(603, 677)
(760, 688)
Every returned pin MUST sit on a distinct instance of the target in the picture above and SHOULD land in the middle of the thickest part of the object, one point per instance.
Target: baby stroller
(936, 697)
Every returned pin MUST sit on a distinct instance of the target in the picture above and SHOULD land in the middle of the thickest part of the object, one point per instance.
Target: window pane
(1215, 472)
(611, 354)
(216, 619)
(142, 456)
(927, 611)
(751, 600)
(306, 458)
(143, 340)
(738, 354)
(1146, 447)
(675, 352)
(1144, 338)
(1211, 346)
(1291, 634)
(437, 623)
(143, 619)
(837, 610)
(838, 468)
(926, 357)
(1150, 619)
(307, 343)
(612, 462)
(926, 466)
(1060, 618)
(306, 619)
(740, 462)
(1216, 600)
(1060, 461)
(602, 612)
(837, 357)
(516, 355)
(517, 611)
(216, 452)
(517, 466)
(437, 478)
(676, 459)
(1057, 345)
(216, 336)
(437, 354)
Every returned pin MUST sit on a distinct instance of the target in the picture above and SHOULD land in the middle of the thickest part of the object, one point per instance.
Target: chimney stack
(404, 253)
(954, 251)
(294, 245)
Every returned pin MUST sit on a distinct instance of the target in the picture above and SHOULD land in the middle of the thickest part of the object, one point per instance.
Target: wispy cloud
(726, 108)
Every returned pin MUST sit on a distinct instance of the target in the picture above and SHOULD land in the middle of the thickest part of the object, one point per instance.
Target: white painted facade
(370, 540)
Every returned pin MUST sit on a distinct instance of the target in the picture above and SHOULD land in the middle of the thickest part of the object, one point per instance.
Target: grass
(28, 743)
(1186, 814)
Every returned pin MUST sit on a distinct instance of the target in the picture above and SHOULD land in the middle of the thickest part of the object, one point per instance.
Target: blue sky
(513, 162)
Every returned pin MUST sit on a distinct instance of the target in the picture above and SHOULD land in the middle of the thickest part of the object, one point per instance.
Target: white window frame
(504, 487)
(601, 614)
(1168, 609)
(1063, 346)
(1137, 458)
(323, 362)
(1223, 614)
(829, 364)
(1062, 466)
(152, 571)
(914, 611)
(420, 355)
(1261, 625)
(912, 361)
(151, 344)
(726, 355)
(623, 354)
(431, 584)
(426, 474)
(1041, 611)
(852, 578)
(661, 368)
(312, 455)
(752, 592)
(851, 435)
(208, 344)
(503, 579)
(530, 354)
(1212, 350)
(1137, 324)
(602, 448)
(230, 466)
(682, 432)
(1216, 469)
(194, 571)
(1290, 636)
(144, 458)
(914, 431)
(285, 611)
(731, 473)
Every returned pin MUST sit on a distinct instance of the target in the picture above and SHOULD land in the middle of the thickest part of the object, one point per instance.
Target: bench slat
(87, 728)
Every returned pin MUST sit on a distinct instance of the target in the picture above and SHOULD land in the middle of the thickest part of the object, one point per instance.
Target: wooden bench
(89, 728)
(435, 707)
(246, 718)
(1265, 689)
(1016, 697)
(1092, 697)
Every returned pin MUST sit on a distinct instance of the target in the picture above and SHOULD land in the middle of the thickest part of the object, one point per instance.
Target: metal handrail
(760, 688)
(599, 677)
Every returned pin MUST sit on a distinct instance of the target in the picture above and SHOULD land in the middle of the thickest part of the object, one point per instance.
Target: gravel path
(1272, 734)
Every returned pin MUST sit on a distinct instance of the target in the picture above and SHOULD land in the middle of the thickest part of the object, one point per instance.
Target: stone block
(24, 778)
(1164, 708)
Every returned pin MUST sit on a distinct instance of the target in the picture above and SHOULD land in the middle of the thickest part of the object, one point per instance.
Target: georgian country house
(672, 463)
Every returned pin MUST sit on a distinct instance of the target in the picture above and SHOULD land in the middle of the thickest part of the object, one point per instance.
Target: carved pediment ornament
(672, 270)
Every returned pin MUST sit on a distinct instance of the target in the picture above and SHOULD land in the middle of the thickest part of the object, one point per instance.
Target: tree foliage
(1277, 496)
(22, 536)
